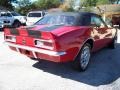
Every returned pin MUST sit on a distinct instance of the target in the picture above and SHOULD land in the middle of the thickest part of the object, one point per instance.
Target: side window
(84, 20)
(97, 21)
(8, 15)
(39, 15)
(2, 14)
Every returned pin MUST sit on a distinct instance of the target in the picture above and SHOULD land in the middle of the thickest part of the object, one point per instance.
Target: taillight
(10, 38)
(47, 44)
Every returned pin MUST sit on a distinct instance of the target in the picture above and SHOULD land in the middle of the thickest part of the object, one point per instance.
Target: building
(109, 11)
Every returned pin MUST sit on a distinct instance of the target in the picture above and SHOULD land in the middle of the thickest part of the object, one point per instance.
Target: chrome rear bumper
(34, 50)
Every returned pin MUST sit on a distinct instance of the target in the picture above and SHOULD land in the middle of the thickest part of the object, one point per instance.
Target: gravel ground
(18, 72)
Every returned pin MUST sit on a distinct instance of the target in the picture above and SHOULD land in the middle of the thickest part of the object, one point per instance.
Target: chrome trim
(50, 41)
(43, 46)
(9, 39)
(18, 50)
(34, 54)
(48, 52)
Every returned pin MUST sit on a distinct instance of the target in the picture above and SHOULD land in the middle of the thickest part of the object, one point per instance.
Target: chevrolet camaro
(62, 37)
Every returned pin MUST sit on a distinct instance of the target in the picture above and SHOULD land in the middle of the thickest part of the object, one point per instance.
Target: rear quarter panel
(72, 40)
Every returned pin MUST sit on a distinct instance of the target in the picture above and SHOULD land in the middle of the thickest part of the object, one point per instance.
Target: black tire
(112, 45)
(78, 62)
(16, 24)
(1, 29)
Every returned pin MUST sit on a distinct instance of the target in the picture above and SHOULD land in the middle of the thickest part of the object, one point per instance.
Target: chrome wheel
(85, 57)
(82, 60)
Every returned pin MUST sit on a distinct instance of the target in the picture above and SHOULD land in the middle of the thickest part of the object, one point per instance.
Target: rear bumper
(38, 53)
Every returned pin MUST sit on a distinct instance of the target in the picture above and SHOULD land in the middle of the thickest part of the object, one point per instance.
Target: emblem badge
(23, 41)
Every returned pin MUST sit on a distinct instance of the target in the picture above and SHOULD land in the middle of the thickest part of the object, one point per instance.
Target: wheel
(1, 29)
(82, 60)
(112, 45)
(16, 24)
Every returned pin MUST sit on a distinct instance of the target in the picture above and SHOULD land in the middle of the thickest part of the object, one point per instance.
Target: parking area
(18, 72)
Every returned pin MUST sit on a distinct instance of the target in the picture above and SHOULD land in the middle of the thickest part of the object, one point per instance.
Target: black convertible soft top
(80, 18)
(76, 14)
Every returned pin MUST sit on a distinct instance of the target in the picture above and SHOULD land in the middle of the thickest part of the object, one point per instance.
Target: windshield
(4, 14)
(57, 20)
(15, 14)
(34, 15)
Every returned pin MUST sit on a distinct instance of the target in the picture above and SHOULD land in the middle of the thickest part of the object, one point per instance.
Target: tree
(47, 4)
(7, 4)
(23, 3)
(24, 6)
(101, 2)
(68, 5)
(89, 3)
(92, 3)
(117, 1)
(114, 1)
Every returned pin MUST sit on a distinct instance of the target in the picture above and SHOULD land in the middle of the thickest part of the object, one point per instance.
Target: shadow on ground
(103, 69)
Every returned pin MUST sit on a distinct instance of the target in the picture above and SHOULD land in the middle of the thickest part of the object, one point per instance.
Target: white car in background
(11, 18)
(34, 16)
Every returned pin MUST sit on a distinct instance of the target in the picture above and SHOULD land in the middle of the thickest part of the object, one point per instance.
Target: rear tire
(16, 24)
(112, 45)
(82, 60)
(1, 29)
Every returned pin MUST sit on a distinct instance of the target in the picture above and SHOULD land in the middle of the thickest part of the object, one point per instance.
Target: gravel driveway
(18, 72)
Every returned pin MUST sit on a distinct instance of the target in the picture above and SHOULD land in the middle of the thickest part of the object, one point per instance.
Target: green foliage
(24, 3)
(7, 4)
(68, 9)
(101, 2)
(47, 4)
(68, 6)
(26, 9)
(24, 6)
(89, 3)
(92, 3)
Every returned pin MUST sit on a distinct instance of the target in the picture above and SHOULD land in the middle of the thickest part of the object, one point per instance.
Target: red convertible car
(62, 37)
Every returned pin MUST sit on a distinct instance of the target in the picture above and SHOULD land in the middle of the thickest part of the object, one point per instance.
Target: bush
(66, 7)
(47, 4)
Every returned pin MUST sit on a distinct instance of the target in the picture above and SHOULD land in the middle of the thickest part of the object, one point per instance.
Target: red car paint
(67, 40)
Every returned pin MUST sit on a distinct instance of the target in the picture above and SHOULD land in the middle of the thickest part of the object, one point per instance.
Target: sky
(33, 0)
